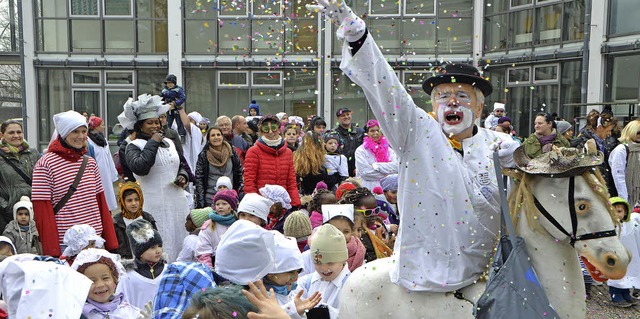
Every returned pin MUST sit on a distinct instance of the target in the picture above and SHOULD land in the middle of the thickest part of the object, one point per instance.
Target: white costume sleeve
(343, 168)
(487, 121)
(618, 164)
(189, 246)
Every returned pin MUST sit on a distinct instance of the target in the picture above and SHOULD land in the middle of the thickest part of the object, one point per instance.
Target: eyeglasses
(269, 126)
(369, 212)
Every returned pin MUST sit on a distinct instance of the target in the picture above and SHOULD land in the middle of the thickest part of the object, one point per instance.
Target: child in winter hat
(144, 272)
(280, 208)
(7, 249)
(22, 229)
(298, 226)
(255, 208)
(254, 109)
(620, 290)
(330, 254)
(283, 279)
(245, 254)
(223, 182)
(131, 200)
(195, 219)
(342, 217)
(224, 215)
(105, 270)
(78, 238)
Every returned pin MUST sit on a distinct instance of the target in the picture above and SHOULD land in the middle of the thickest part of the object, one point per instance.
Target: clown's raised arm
(447, 195)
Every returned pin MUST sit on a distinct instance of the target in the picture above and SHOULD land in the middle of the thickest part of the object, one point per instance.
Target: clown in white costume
(156, 165)
(447, 192)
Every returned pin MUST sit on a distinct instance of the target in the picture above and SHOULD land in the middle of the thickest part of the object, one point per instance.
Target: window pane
(573, 21)
(264, 78)
(624, 17)
(569, 91)
(495, 33)
(227, 78)
(233, 8)
(232, 102)
(521, 25)
(348, 94)
(497, 77)
(543, 73)
(268, 36)
(454, 35)
(201, 89)
(495, 6)
(303, 32)
(626, 77)
(385, 32)
(119, 78)
(118, 36)
(200, 9)
(115, 101)
(151, 80)
(515, 3)
(152, 36)
(84, 7)
(52, 99)
(86, 77)
(154, 8)
(419, 7)
(267, 8)
(415, 78)
(519, 75)
(519, 99)
(117, 7)
(85, 36)
(455, 8)
(51, 8)
(549, 23)
(52, 36)
(10, 92)
(233, 36)
(9, 27)
(271, 101)
(545, 99)
(87, 101)
(383, 7)
(200, 36)
(420, 36)
(300, 92)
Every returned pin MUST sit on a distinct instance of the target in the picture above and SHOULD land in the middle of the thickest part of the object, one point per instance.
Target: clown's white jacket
(449, 202)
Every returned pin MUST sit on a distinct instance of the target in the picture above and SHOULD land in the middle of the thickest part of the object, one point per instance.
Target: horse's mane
(521, 198)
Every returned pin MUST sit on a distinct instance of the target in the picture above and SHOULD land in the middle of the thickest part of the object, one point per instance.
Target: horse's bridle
(574, 219)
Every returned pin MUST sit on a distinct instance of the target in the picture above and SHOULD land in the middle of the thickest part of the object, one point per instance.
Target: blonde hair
(309, 157)
(629, 132)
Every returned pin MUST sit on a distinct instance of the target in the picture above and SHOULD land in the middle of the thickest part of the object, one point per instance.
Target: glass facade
(623, 17)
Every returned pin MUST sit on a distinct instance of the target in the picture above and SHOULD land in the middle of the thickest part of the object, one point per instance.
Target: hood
(4, 239)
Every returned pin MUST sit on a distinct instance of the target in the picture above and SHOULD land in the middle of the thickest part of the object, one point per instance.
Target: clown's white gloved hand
(147, 311)
(351, 27)
(505, 153)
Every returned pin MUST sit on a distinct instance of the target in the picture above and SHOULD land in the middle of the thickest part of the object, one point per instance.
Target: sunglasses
(269, 126)
(369, 212)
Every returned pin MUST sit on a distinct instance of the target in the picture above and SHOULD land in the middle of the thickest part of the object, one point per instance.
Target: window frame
(397, 14)
(517, 83)
(247, 11)
(84, 85)
(432, 14)
(533, 73)
(111, 85)
(97, 15)
(222, 85)
(131, 9)
(254, 85)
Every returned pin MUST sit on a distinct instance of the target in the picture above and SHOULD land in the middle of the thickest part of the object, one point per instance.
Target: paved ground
(599, 306)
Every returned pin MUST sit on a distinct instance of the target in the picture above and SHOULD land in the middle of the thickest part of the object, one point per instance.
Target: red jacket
(266, 165)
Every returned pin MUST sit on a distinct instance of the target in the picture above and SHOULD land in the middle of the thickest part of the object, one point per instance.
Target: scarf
(380, 148)
(64, 150)
(632, 176)
(546, 140)
(219, 157)
(272, 143)
(10, 149)
(356, 251)
(104, 308)
(282, 290)
(98, 138)
(226, 220)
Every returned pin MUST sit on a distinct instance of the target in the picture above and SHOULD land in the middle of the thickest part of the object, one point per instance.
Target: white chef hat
(498, 106)
(78, 237)
(145, 107)
(255, 205)
(245, 253)
(68, 121)
(333, 210)
(287, 254)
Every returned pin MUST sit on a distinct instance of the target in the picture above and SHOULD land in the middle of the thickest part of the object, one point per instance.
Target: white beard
(450, 130)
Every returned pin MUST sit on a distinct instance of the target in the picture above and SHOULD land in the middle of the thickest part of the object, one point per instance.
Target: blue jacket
(176, 95)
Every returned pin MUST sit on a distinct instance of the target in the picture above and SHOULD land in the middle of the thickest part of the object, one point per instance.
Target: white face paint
(454, 119)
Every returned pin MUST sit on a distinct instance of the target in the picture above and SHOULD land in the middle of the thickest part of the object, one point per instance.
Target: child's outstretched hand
(351, 27)
(147, 311)
(265, 301)
(303, 305)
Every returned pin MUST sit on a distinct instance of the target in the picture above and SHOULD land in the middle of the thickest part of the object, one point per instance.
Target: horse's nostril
(611, 261)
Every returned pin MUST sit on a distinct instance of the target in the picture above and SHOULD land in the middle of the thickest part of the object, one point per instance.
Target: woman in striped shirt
(53, 176)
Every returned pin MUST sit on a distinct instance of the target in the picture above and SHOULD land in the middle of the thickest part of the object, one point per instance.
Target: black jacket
(351, 139)
(202, 175)
(140, 161)
(124, 248)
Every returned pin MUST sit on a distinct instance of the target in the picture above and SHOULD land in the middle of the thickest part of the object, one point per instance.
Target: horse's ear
(590, 147)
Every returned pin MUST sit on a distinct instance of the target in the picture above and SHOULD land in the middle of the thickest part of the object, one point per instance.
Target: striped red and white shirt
(52, 176)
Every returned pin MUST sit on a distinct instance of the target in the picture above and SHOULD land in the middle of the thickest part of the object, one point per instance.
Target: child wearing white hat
(329, 252)
(22, 229)
(254, 208)
(492, 120)
(78, 238)
(283, 279)
(342, 217)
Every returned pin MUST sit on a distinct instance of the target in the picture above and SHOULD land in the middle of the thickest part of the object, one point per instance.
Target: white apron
(163, 199)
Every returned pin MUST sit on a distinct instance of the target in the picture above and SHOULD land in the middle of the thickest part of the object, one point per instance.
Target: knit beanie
(94, 121)
(328, 245)
(142, 237)
(276, 194)
(343, 188)
(255, 205)
(254, 105)
(504, 119)
(389, 182)
(228, 195)
(200, 215)
(224, 181)
(171, 78)
(562, 126)
(297, 225)
(24, 202)
(68, 121)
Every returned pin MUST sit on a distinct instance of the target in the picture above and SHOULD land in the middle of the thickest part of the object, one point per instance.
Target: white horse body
(369, 292)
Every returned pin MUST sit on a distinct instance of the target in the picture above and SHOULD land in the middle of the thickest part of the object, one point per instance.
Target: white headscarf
(146, 107)
(77, 238)
(68, 121)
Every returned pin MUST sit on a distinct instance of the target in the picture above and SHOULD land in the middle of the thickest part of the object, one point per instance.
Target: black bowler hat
(458, 73)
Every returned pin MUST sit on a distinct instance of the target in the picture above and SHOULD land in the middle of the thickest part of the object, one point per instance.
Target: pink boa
(380, 148)
(356, 251)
